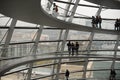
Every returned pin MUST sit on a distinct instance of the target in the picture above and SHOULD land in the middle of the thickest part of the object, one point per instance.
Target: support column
(58, 49)
(73, 10)
(88, 51)
(99, 11)
(33, 51)
(89, 45)
(62, 49)
(8, 38)
(115, 52)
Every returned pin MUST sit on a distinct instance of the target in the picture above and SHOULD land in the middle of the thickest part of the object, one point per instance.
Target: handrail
(37, 58)
(53, 64)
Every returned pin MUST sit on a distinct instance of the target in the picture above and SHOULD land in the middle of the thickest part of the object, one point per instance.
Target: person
(55, 10)
(69, 47)
(77, 47)
(116, 24)
(112, 74)
(96, 21)
(99, 21)
(73, 48)
(119, 24)
(67, 73)
(93, 21)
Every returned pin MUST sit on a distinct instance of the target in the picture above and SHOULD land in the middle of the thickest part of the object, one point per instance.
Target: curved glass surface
(98, 52)
(83, 14)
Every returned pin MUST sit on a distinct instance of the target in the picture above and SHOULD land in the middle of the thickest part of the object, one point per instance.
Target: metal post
(58, 49)
(89, 45)
(115, 52)
(34, 50)
(62, 49)
(73, 10)
(99, 11)
(8, 38)
(65, 38)
(88, 51)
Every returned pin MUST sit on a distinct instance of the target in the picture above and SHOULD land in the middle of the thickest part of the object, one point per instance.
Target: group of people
(117, 24)
(73, 47)
(96, 21)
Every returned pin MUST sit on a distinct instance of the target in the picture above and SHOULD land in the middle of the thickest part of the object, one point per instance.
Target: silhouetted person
(67, 73)
(76, 47)
(55, 10)
(69, 47)
(93, 21)
(55, 7)
(73, 48)
(99, 21)
(96, 21)
(117, 24)
(112, 74)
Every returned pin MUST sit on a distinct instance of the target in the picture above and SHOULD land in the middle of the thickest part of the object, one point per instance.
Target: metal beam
(8, 38)
(34, 50)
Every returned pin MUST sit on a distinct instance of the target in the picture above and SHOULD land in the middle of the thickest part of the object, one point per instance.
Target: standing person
(93, 21)
(73, 48)
(67, 73)
(77, 47)
(117, 24)
(55, 10)
(96, 21)
(112, 74)
(69, 47)
(99, 21)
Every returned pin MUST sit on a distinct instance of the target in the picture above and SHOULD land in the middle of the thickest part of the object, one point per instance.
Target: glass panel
(47, 47)
(50, 35)
(19, 50)
(98, 36)
(23, 35)
(103, 45)
(4, 21)
(78, 35)
(101, 65)
(101, 75)
(2, 35)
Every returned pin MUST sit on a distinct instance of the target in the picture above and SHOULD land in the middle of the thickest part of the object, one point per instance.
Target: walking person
(117, 24)
(96, 21)
(55, 10)
(93, 21)
(76, 48)
(99, 21)
(69, 47)
(112, 74)
(73, 48)
(67, 73)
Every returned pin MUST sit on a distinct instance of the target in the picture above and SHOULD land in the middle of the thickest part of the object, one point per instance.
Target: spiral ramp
(31, 11)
